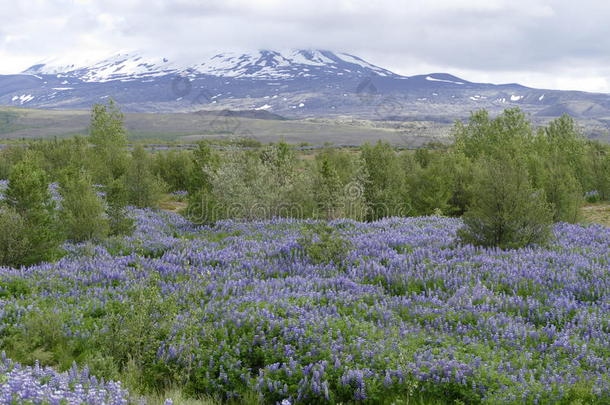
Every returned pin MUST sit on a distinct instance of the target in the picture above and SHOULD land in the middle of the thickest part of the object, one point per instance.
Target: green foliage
(28, 189)
(83, 213)
(28, 195)
(385, 191)
(9, 157)
(460, 169)
(339, 181)
(557, 165)
(14, 244)
(144, 189)
(327, 190)
(107, 125)
(556, 156)
(249, 185)
(175, 168)
(506, 211)
(205, 163)
(431, 186)
(134, 329)
(565, 144)
(598, 169)
(56, 155)
(323, 245)
(508, 135)
(343, 162)
(423, 157)
(563, 192)
(109, 138)
(116, 199)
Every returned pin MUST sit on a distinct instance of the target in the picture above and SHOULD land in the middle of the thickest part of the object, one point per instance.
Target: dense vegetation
(296, 277)
(510, 182)
(393, 311)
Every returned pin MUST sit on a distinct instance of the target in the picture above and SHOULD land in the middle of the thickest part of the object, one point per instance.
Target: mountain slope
(264, 65)
(296, 83)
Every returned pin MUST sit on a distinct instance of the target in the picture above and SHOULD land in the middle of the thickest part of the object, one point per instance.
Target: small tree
(117, 199)
(598, 160)
(82, 215)
(509, 134)
(175, 168)
(28, 195)
(563, 192)
(109, 138)
(506, 211)
(202, 205)
(205, 163)
(144, 189)
(430, 186)
(107, 126)
(327, 190)
(14, 243)
(385, 192)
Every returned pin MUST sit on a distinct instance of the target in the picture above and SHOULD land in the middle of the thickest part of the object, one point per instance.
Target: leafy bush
(175, 168)
(82, 214)
(108, 158)
(322, 244)
(116, 198)
(14, 244)
(28, 195)
(506, 211)
(563, 192)
(144, 189)
(385, 190)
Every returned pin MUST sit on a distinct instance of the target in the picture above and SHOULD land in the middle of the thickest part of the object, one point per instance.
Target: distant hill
(294, 84)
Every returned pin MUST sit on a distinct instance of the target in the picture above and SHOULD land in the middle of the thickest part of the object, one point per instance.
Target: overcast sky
(559, 44)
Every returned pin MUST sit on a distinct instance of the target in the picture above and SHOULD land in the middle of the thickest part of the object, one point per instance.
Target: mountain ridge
(263, 64)
(293, 83)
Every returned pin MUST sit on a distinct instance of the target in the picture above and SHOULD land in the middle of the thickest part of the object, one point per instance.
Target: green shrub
(116, 198)
(327, 190)
(322, 244)
(175, 168)
(14, 244)
(144, 189)
(563, 192)
(108, 158)
(28, 194)
(82, 214)
(506, 211)
(8, 158)
(385, 190)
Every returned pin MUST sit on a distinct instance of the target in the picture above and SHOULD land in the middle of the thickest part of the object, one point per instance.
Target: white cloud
(544, 43)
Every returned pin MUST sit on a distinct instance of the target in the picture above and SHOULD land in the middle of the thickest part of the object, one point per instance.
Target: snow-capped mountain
(295, 83)
(261, 65)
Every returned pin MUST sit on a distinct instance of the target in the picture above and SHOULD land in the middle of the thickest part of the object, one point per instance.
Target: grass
(598, 213)
(8, 121)
(18, 123)
(172, 204)
(178, 398)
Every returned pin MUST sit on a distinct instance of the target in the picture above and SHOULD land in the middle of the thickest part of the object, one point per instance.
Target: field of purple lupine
(242, 308)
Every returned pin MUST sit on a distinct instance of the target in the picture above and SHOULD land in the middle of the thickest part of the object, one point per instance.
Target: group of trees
(73, 189)
(508, 181)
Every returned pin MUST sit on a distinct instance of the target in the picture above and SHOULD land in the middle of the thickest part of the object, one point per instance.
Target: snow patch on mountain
(433, 79)
(22, 99)
(263, 64)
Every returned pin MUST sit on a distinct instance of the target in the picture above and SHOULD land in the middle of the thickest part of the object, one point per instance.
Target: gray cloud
(544, 43)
